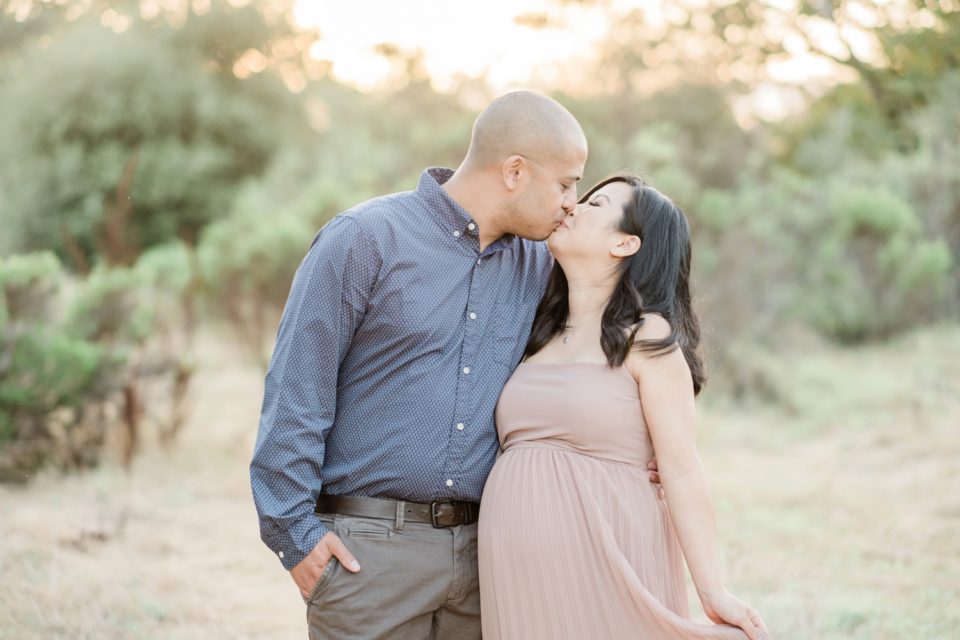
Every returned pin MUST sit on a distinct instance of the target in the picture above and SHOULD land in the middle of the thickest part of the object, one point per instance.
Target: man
(404, 321)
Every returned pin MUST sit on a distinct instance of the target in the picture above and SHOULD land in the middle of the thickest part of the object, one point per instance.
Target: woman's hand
(724, 607)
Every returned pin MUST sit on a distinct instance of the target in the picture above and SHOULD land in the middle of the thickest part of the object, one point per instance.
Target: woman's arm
(666, 395)
(667, 399)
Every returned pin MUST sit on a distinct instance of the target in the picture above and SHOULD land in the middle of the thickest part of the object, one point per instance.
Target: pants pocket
(360, 533)
(332, 523)
(367, 528)
(326, 578)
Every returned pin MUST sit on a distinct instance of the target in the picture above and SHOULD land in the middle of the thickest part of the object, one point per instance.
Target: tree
(113, 142)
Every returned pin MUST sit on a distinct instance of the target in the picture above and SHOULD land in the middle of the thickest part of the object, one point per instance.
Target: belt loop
(401, 510)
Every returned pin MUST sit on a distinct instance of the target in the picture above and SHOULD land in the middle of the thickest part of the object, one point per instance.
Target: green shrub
(166, 267)
(29, 283)
(248, 261)
(48, 369)
(67, 377)
(111, 308)
(45, 370)
(873, 272)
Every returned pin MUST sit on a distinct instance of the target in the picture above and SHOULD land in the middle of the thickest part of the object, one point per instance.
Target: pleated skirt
(575, 546)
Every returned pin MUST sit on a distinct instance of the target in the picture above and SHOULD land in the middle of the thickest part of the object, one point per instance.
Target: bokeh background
(164, 165)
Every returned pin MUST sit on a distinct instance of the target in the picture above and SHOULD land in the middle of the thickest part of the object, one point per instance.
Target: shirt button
(479, 261)
(456, 234)
(449, 483)
(460, 426)
(280, 554)
(466, 370)
(471, 226)
(473, 316)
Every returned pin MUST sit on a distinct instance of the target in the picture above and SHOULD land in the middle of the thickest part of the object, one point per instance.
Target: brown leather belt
(440, 514)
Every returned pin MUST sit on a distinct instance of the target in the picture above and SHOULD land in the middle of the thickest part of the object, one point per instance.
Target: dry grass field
(839, 509)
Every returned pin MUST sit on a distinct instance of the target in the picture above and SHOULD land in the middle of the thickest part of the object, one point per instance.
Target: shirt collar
(454, 218)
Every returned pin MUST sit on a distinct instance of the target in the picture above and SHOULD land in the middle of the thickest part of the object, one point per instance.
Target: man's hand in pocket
(308, 572)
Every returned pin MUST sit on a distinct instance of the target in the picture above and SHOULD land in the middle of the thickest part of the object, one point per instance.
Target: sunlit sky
(456, 38)
(461, 39)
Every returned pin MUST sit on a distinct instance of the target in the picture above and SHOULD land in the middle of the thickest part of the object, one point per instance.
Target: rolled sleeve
(327, 301)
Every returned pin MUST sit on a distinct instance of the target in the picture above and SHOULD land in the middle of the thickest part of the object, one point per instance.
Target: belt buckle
(434, 515)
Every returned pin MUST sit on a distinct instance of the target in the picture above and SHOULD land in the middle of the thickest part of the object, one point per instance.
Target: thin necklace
(572, 333)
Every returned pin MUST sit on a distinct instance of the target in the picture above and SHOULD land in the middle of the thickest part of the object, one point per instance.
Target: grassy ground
(839, 509)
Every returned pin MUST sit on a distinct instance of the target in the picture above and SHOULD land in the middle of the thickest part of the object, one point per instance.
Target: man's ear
(512, 171)
(627, 246)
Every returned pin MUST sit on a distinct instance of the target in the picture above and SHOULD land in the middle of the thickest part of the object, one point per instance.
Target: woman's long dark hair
(656, 279)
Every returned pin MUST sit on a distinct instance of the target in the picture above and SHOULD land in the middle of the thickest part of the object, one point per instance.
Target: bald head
(520, 175)
(524, 123)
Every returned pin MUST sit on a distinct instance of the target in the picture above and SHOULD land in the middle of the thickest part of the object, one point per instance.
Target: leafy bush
(873, 272)
(110, 308)
(75, 364)
(48, 375)
(248, 261)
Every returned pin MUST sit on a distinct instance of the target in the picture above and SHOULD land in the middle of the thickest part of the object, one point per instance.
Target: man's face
(550, 194)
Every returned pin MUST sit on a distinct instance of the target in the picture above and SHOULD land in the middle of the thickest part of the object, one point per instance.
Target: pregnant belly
(535, 494)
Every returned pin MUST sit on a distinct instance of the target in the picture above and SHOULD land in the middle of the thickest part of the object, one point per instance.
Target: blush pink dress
(574, 540)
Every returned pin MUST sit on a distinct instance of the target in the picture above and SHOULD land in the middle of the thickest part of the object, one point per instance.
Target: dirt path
(835, 525)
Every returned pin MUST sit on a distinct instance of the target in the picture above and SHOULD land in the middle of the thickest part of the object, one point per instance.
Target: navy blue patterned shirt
(395, 342)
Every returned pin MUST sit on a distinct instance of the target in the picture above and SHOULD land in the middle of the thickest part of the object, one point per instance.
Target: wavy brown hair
(656, 279)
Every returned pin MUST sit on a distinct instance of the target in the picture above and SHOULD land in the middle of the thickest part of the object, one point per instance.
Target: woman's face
(591, 230)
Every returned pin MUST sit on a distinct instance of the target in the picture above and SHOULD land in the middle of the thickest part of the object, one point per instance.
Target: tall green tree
(115, 139)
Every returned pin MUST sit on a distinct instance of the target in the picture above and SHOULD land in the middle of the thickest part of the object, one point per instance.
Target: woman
(574, 540)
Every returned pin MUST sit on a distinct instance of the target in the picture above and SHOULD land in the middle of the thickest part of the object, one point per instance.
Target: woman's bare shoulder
(652, 326)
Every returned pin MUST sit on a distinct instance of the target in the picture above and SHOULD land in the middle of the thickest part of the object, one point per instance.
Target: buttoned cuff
(293, 545)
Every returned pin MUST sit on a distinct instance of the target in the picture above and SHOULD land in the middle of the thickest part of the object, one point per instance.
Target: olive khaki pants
(415, 582)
